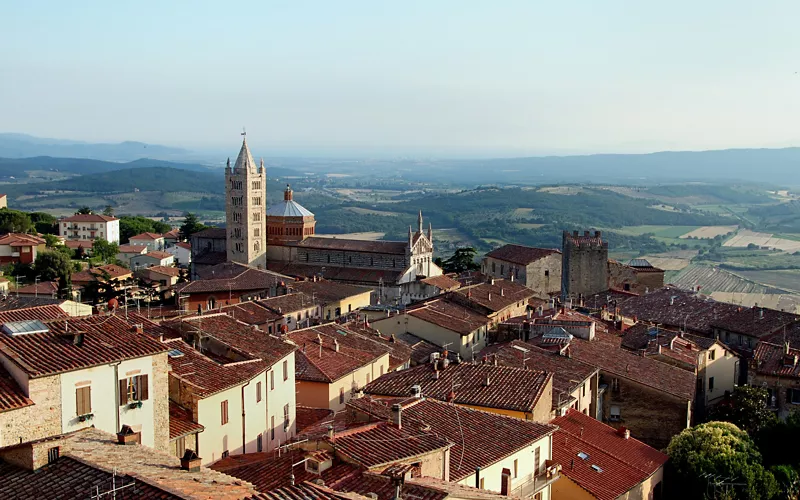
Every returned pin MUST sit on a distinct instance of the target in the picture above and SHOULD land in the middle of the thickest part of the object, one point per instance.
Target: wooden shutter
(123, 392)
(83, 400)
(144, 392)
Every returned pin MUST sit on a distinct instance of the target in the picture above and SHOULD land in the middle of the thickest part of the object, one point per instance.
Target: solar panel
(175, 353)
(14, 328)
(340, 332)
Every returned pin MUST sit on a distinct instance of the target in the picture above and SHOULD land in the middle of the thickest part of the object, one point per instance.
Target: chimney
(495, 362)
(330, 432)
(397, 412)
(624, 432)
(77, 339)
(335, 345)
(127, 436)
(487, 381)
(672, 301)
(477, 477)
(760, 314)
(528, 313)
(502, 293)
(451, 396)
(512, 277)
(138, 328)
(786, 348)
(491, 281)
(505, 483)
(190, 461)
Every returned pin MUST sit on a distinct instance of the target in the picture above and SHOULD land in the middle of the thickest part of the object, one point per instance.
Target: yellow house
(336, 299)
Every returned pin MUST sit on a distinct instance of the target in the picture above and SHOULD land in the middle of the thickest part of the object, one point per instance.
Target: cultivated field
(522, 212)
(709, 232)
(359, 210)
(787, 279)
(746, 237)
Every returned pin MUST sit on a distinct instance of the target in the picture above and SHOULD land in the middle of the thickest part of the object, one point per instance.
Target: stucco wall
(346, 305)
(283, 394)
(406, 323)
(725, 371)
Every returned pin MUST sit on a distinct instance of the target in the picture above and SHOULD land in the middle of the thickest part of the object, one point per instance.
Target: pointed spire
(245, 162)
(410, 236)
(430, 232)
(261, 169)
(419, 222)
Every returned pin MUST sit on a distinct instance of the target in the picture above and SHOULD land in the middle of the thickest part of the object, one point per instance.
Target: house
(66, 374)
(102, 274)
(447, 323)
(152, 258)
(88, 227)
(600, 462)
(126, 252)
(296, 310)
(153, 241)
(575, 384)
(536, 268)
(20, 248)
(490, 451)
(13, 308)
(332, 367)
(80, 247)
(715, 364)
(515, 392)
(230, 283)
(426, 287)
(42, 288)
(3, 201)
(336, 299)
(182, 251)
(171, 237)
(775, 368)
(235, 360)
(183, 430)
(637, 276)
(498, 299)
(255, 315)
(163, 275)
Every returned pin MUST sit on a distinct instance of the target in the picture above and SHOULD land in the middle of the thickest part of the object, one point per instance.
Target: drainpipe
(116, 395)
(244, 436)
(477, 477)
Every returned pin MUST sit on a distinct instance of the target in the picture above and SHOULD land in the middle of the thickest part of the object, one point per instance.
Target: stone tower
(584, 265)
(245, 203)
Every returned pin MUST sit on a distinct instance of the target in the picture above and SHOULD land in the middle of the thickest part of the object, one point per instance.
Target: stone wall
(41, 420)
(627, 278)
(544, 276)
(584, 270)
(351, 259)
(160, 399)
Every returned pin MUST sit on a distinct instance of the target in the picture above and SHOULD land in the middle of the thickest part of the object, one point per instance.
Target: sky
(430, 77)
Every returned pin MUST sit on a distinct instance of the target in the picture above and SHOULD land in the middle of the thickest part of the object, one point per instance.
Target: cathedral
(282, 239)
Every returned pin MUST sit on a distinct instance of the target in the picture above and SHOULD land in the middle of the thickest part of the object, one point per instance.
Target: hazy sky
(417, 77)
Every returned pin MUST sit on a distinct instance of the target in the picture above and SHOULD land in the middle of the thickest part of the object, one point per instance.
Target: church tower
(245, 203)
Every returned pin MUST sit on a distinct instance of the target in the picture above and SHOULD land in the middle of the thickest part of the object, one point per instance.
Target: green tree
(462, 260)
(51, 266)
(746, 408)
(84, 211)
(191, 224)
(14, 221)
(723, 450)
(788, 481)
(51, 240)
(133, 225)
(43, 222)
(109, 211)
(105, 251)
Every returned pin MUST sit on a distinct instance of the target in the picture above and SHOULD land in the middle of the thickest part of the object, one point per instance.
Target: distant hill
(17, 167)
(25, 146)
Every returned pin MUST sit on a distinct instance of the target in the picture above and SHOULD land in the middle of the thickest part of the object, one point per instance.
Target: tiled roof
(367, 445)
(508, 388)
(682, 347)
(446, 314)
(37, 312)
(146, 236)
(88, 218)
(383, 486)
(305, 491)
(287, 304)
(46, 288)
(354, 275)
(222, 278)
(76, 244)
(184, 244)
(209, 258)
(345, 245)
(288, 208)
(755, 321)
(106, 339)
(99, 273)
(772, 359)
(11, 395)
(568, 373)
(675, 307)
(21, 239)
(268, 471)
(399, 352)
(239, 335)
(12, 302)
(624, 463)
(251, 313)
(212, 233)
(180, 422)
(421, 349)
(498, 295)
(165, 270)
(442, 282)
(155, 254)
(307, 417)
(68, 478)
(172, 234)
(208, 376)
(480, 438)
(132, 249)
(519, 254)
(325, 292)
(611, 358)
(326, 364)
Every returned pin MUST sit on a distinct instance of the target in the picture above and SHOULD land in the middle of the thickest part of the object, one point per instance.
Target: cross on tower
(244, 132)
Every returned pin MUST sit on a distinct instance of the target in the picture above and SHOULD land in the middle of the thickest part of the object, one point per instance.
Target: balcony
(534, 483)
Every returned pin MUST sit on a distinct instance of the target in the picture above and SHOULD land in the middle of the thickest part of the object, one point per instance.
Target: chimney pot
(190, 461)
(397, 413)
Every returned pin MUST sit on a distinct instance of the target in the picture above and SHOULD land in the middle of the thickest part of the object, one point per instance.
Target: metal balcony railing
(534, 483)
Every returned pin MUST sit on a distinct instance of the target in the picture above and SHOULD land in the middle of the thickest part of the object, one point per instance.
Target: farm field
(709, 232)
(659, 231)
(746, 237)
(788, 279)
(715, 279)
(777, 301)
(525, 225)
(522, 212)
(359, 210)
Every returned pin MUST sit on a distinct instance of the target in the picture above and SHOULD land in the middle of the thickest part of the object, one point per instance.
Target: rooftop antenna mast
(112, 493)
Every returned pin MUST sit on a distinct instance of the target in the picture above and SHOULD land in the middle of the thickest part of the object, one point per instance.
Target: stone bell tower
(245, 204)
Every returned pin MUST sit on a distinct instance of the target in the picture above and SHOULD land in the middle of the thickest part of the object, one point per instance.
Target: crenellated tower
(245, 203)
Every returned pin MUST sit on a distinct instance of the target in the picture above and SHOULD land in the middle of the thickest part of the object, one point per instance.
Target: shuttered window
(224, 411)
(285, 370)
(83, 400)
(133, 389)
(258, 392)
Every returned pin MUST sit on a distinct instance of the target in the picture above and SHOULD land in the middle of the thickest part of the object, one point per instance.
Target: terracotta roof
(325, 292)
(76, 244)
(307, 417)
(88, 218)
(446, 314)
(11, 395)
(326, 364)
(683, 347)
(772, 359)
(165, 270)
(37, 312)
(224, 277)
(99, 273)
(756, 321)
(305, 491)
(132, 249)
(367, 445)
(354, 275)
(496, 296)
(421, 349)
(155, 254)
(208, 376)
(20, 239)
(146, 236)
(623, 463)
(251, 313)
(568, 373)
(46, 288)
(172, 233)
(106, 339)
(184, 244)
(181, 423)
(606, 354)
(287, 304)
(477, 442)
(345, 245)
(442, 282)
(383, 486)
(12, 302)
(521, 255)
(375, 341)
(508, 389)
(209, 258)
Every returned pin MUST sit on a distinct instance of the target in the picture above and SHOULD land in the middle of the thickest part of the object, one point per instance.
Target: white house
(89, 227)
(152, 258)
(182, 251)
(153, 241)
(126, 252)
(67, 374)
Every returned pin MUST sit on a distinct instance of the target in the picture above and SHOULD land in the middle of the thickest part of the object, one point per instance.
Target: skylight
(175, 353)
(520, 348)
(583, 456)
(340, 332)
(597, 468)
(26, 327)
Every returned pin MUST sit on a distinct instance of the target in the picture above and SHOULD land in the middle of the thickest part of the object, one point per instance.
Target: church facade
(282, 238)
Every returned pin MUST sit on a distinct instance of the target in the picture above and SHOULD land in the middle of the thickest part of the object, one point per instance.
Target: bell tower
(245, 203)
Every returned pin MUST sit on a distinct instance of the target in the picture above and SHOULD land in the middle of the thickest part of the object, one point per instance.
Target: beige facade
(464, 344)
(336, 394)
(543, 276)
(334, 309)
(567, 489)
(245, 210)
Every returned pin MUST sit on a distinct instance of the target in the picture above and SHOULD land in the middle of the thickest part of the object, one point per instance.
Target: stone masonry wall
(160, 398)
(352, 259)
(584, 268)
(43, 419)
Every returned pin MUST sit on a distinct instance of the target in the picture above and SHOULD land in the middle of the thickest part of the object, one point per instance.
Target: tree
(105, 251)
(51, 241)
(788, 481)
(51, 266)
(746, 408)
(84, 211)
(131, 226)
(109, 211)
(191, 224)
(462, 260)
(43, 222)
(14, 221)
(722, 450)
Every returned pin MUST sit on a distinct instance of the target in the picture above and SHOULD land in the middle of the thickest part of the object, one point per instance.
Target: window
(237, 217)
(614, 415)
(225, 454)
(257, 232)
(237, 232)
(341, 395)
(239, 247)
(285, 370)
(272, 380)
(793, 396)
(516, 467)
(584, 389)
(710, 384)
(259, 443)
(133, 389)
(256, 216)
(256, 184)
(286, 417)
(712, 354)
(83, 397)
(52, 455)
(256, 201)
(272, 428)
(537, 458)
(368, 377)
(537, 496)
(258, 392)
(493, 268)
(224, 412)
(502, 269)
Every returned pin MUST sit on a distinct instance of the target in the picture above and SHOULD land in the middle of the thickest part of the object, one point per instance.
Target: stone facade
(245, 203)
(630, 279)
(41, 420)
(543, 276)
(160, 398)
(584, 265)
